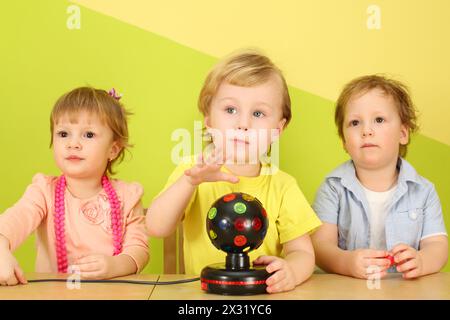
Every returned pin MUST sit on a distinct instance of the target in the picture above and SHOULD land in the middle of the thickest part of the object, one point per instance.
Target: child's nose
(74, 144)
(244, 123)
(367, 131)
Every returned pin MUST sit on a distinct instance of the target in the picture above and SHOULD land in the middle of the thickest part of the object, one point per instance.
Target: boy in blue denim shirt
(376, 206)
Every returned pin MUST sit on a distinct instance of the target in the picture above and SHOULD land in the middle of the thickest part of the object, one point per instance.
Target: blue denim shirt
(414, 214)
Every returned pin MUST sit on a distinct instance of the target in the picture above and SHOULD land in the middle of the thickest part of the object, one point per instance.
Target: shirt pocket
(408, 225)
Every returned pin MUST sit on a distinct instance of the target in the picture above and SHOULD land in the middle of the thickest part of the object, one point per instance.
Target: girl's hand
(368, 263)
(96, 266)
(10, 271)
(208, 170)
(282, 278)
(408, 260)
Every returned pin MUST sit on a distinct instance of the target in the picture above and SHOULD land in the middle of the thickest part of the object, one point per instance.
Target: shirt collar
(346, 172)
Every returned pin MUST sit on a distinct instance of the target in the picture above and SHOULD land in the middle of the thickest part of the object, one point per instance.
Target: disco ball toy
(236, 223)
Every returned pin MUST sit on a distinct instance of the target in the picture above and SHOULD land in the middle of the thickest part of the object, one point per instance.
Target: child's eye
(89, 134)
(231, 110)
(258, 114)
(62, 134)
(379, 119)
(354, 123)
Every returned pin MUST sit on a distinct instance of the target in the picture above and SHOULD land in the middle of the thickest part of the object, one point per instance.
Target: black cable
(119, 281)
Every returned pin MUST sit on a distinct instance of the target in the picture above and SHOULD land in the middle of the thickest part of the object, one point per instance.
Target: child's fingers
(12, 281)
(212, 158)
(281, 283)
(373, 269)
(377, 275)
(385, 268)
(20, 275)
(274, 266)
(380, 262)
(409, 265)
(411, 274)
(275, 288)
(86, 259)
(398, 248)
(275, 278)
(215, 158)
(404, 255)
(223, 176)
(376, 254)
(87, 267)
(361, 272)
(264, 259)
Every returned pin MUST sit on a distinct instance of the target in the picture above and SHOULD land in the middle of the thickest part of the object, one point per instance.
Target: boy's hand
(208, 170)
(95, 266)
(365, 263)
(10, 271)
(282, 278)
(408, 260)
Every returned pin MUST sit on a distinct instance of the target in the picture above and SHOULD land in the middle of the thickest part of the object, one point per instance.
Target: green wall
(40, 59)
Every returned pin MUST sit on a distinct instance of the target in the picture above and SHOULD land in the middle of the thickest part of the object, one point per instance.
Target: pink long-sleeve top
(87, 223)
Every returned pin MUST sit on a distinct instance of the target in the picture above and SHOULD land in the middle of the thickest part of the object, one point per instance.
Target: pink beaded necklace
(116, 220)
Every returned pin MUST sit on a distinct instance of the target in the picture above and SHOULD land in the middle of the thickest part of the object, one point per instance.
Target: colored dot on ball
(248, 197)
(264, 213)
(240, 240)
(224, 224)
(212, 213)
(212, 234)
(256, 224)
(240, 224)
(229, 197)
(239, 207)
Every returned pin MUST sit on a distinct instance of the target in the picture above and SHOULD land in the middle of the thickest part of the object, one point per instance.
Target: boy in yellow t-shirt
(246, 106)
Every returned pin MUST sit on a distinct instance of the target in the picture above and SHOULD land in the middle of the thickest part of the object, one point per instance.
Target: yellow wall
(320, 45)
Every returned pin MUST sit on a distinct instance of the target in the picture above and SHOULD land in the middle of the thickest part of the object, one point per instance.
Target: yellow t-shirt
(288, 211)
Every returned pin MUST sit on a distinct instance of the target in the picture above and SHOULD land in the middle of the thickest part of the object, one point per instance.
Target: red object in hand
(391, 260)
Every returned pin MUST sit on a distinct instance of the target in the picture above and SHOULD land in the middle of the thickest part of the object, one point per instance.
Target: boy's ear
(404, 135)
(281, 125)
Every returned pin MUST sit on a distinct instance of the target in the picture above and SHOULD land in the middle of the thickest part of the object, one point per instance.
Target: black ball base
(216, 278)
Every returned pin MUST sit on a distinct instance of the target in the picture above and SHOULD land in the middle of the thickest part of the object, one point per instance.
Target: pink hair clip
(115, 94)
